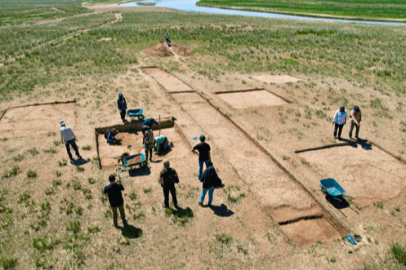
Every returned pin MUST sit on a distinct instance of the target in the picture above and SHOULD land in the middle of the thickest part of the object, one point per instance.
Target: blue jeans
(210, 190)
(201, 166)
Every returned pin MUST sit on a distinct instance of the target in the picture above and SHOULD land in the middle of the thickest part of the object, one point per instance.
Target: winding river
(190, 6)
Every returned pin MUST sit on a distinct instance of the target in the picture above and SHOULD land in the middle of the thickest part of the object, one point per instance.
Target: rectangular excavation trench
(364, 171)
(289, 204)
(245, 99)
(37, 119)
(130, 135)
(168, 81)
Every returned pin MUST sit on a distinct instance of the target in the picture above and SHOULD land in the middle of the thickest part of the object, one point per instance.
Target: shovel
(349, 250)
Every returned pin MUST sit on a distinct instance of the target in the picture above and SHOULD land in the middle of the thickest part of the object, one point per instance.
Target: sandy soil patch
(365, 172)
(36, 119)
(161, 49)
(278, 79)
(243, 100)
(304, 232)
(105, 39)
(284, 198)
(132, 144)
(168, 81)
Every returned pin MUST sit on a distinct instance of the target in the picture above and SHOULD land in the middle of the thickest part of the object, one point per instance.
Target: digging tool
(159, 125)
(349, 250)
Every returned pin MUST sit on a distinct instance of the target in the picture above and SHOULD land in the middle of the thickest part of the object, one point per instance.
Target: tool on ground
(358, 238)
(159, 124)
(349, 250)
(125, 162)
(351, 239)
(132, 113)
(332, 188)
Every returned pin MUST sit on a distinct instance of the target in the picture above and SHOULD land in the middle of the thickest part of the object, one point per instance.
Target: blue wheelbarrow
(128, 164)
(132, 113)
(332, 188)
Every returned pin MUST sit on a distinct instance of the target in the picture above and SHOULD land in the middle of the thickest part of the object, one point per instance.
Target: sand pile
(161, 49)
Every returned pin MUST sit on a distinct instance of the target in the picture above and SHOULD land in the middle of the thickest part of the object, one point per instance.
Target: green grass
(28, 11)
(357, 8)
(399, 252)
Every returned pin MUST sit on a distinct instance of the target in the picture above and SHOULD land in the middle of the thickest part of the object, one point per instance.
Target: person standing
(168, 178)
(148, 143)
(113, 190)
(339, 120)
(68, 138)
(204, 153)
(122, 106)
(210, 181)
(355, 117)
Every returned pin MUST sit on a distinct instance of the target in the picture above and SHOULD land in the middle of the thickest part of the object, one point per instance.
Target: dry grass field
(264, 93)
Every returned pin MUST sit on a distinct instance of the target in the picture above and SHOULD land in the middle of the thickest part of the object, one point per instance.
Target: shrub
(399, 252)
(31, 174)
(224, 238)
(8, 263)
(87, 147)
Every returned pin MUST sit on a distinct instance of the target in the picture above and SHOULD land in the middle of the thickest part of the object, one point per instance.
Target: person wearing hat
(204, 154)
(168, 178)
(113, 190)
(210, 181)
(339, 120)
(355, 117)
(68, 138)
(122, 106)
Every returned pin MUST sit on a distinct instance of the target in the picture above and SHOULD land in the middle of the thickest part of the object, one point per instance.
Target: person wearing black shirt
(122, 106)
(168, 178)
(113, 190)
(204, 154)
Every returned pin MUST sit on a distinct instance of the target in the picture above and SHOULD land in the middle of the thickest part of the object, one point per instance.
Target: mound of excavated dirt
(161, 49)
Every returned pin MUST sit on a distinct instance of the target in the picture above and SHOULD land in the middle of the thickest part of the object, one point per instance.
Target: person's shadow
(80, 161)
(131, 232)
(221, 211)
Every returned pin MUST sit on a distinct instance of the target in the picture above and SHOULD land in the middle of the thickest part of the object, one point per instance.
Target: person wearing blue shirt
(149, 122)
(122, 106)
(339, 120)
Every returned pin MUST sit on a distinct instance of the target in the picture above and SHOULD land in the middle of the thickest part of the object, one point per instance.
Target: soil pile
(161, 49)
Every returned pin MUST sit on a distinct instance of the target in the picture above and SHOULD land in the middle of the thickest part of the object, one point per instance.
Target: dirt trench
(301, 217)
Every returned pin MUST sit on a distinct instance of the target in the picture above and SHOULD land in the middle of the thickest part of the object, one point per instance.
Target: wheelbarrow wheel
(141, 117)
(143, 164)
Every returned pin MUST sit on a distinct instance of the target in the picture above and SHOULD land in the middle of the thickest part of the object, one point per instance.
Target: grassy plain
(363, 9)
(59, 218)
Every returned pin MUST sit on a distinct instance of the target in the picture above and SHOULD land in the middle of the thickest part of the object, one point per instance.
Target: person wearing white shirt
(68, 138)
(339, 120)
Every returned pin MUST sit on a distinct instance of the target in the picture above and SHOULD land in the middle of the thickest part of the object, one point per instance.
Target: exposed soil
(161, 49)
(272, 187)
(169, 82)
(243, 100)
(37, 119)
(365, 172)
(306, 231)
(109, 154)
(277, 78)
